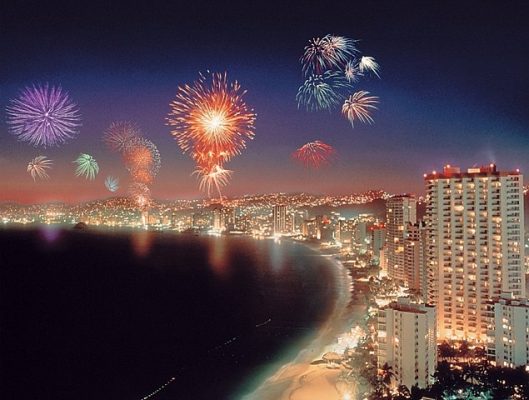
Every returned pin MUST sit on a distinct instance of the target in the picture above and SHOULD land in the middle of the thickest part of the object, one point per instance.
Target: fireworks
(141, 194)
(43, 116)
(359, 106)
(119, 134)
(352, 72)
(322, 92)
(368, 64)
(112, 184)
(215, 176)
(211, 121)
(38, 166)
(211, 116)
(142, 159)
(86, 166)
(328, 53)
(314, 154)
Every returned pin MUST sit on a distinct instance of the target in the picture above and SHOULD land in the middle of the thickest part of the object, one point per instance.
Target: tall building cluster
(465, 261)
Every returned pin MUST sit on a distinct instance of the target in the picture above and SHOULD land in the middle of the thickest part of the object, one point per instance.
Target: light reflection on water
(50, 234)
(218, 257)
(142, 242)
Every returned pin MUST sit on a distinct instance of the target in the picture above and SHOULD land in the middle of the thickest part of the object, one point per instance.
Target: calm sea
(115, 315)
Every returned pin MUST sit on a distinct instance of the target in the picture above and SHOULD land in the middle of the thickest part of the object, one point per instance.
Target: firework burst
(368, 64)
(211, 116)
(119, 134)
(359, 106)
(327, 53)
(112, 183)
(214, 176)
(142, 157)
(322, 92)
(314, 154)
(38, 166)
(86, 166)
(43, 116)
(140, 194)
(352, 72)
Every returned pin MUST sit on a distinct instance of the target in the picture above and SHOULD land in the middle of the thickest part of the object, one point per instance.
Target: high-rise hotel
(401, 211)
(475, 233)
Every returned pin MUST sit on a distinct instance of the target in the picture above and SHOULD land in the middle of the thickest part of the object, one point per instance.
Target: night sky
(454, 88)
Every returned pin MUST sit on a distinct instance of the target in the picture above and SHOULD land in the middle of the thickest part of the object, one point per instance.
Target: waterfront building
(415, 259)
(475, 250)
(406, 337)
(378, 239)
(508, 335)
(279, 219)
(401, 211)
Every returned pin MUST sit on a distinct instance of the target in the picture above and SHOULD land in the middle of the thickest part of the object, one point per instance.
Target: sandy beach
(300, 379)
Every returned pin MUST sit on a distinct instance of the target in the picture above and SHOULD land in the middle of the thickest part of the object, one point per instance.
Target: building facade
(474, 234)
(400, 212)
(406, 338)
(279, 219)
(508, 342)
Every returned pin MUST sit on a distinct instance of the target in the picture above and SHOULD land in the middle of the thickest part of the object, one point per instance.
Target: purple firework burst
(43, 116)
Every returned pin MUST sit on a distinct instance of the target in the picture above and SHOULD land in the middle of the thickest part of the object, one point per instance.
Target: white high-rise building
(508, 344)
(400, 212)
(475, 236)
(406, 338)
(415, 259)
(279, 219)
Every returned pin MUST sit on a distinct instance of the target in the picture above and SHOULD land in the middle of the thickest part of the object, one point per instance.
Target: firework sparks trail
(314, 154)
(38, 166)
(327, 53)
(211, 121)
(322, 92)
(214, 176)
(86, 166)
(43, 116)
(368, 64)
(112, 183)
(358, 106)
(119, 134)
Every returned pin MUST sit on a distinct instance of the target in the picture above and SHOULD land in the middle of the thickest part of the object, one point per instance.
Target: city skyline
(461, 103)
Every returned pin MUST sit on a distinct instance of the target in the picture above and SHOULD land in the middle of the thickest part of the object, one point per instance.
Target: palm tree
(386, 375)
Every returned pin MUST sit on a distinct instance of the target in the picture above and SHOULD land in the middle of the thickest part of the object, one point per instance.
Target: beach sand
(301, 380)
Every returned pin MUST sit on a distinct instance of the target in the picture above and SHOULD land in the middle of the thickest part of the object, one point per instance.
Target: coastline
(292, 376)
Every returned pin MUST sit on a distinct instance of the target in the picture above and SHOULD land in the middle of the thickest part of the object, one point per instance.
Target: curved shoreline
(286, 379)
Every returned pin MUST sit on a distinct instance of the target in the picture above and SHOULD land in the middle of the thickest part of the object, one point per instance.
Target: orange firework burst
(314, 154)
(211, 121)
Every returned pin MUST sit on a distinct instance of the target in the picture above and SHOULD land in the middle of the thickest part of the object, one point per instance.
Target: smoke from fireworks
(38, 166)
(359, 106)
(211, 121)
(86, 166)
(328, 53)
(314, 154)
(119, 134)
(112, 183)
(43, 116)
(322, 92)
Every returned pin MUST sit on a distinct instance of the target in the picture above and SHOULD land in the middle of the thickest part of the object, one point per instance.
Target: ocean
(134, 315)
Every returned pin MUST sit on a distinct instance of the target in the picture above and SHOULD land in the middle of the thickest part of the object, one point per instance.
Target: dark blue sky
(454, 88)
